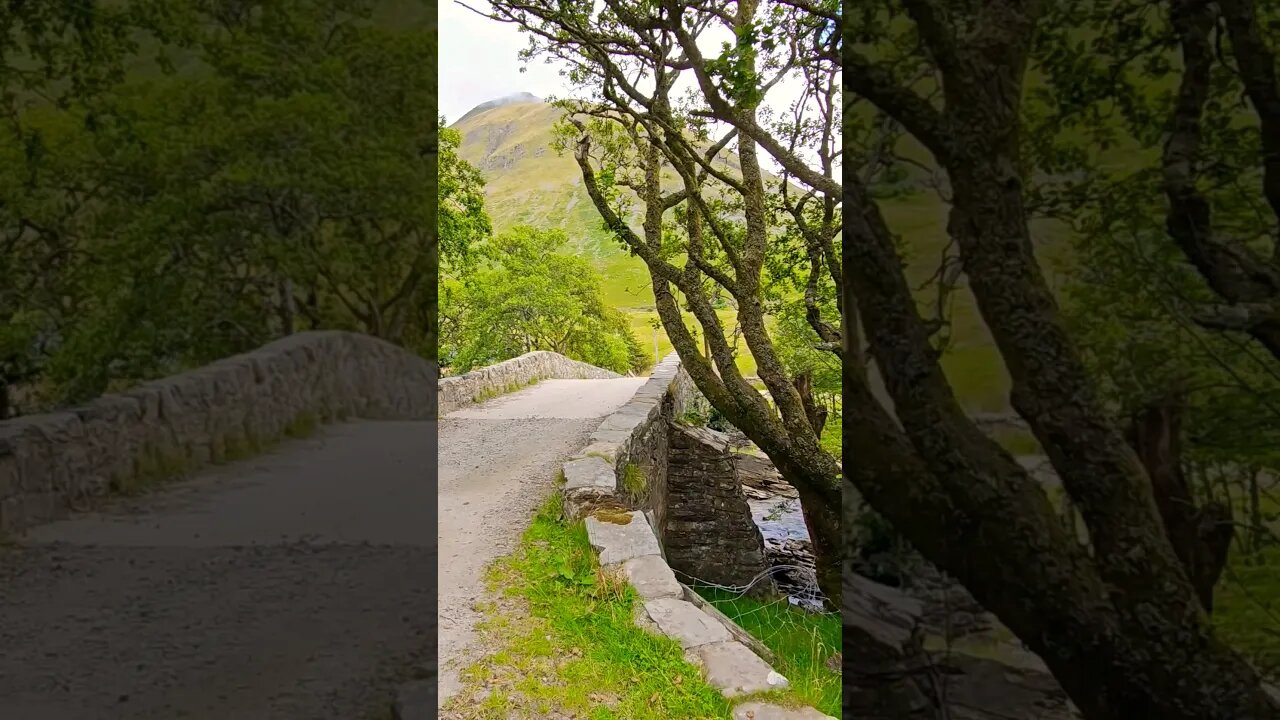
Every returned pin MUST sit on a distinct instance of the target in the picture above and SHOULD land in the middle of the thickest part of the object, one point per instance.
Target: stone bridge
(289, 571)
(253, 539)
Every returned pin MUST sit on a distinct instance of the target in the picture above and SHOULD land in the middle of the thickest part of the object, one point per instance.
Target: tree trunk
(816, 413)
(1122, 629)
(1201, 536)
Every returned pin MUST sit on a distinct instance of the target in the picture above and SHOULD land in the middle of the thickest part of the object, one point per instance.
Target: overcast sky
(479, 61)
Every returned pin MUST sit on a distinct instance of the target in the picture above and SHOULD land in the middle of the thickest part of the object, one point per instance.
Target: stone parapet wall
(625, 466)
(229, 409)
(483, 383)
(635, 439)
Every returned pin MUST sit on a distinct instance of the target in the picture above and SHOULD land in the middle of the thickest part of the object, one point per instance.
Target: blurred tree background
(182, 181)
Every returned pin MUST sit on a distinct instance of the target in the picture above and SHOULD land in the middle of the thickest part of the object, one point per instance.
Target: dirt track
(497, 462)
(294, 586)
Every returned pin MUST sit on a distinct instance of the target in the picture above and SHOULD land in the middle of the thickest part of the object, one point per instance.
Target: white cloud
(479, 61)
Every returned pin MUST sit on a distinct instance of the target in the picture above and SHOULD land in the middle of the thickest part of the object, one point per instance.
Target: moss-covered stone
(614, 515)
(153, 467)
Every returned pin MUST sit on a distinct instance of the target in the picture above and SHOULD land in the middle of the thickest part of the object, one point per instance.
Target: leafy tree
(50, 55)
(462, 224)
(690, 164)
(523, 295)
(1178, 240)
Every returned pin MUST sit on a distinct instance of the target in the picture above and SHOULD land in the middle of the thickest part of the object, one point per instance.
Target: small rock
(589, 472)
(619, 542)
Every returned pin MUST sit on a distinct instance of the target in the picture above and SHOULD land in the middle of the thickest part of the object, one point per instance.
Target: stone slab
(617, 542)
(616, 437)
(684, 622)
(605, 450)
(652, 577)
(589, 473)
(757, 710)
(734, 670)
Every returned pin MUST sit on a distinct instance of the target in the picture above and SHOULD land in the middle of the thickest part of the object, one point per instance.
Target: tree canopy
(224, 175)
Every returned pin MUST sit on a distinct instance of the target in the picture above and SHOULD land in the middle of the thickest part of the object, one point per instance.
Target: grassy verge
(1246, 600)
(1246, 610)
(806, 645)
(566, 643)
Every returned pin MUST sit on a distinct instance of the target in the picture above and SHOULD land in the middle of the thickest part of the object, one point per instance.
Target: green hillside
(528, 183)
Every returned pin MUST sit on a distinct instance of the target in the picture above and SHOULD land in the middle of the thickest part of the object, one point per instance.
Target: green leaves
(524, 295)
(273, 173)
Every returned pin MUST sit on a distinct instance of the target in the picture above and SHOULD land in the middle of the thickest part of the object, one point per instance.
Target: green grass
(1246, 601)
(567, 644)
(1246, 609)
(634, 481)
(806, 645)
(508, 388)
(832, 436)
(1018, 442)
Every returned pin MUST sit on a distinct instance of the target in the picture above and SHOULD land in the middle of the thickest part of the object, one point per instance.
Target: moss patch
(617, 516)
(491, 393)
(153, 467)
(693, 418)
(241, 447)
(302, 426)
(156, 466)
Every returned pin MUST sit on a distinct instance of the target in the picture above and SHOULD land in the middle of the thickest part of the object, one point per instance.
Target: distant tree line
(515, 292)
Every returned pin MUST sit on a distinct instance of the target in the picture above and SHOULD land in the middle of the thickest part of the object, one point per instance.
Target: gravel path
(497, 461)
(297, 586)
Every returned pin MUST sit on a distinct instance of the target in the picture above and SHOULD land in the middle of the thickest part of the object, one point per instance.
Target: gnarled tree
(661, 121)
(1121, 627)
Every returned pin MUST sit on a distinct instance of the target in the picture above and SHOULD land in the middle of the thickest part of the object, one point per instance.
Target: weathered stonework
(229, 409)
(486, 382)
(634, 443)
(706, 529)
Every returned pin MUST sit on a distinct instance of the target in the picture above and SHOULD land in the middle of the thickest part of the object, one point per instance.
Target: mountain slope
(528, 182)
